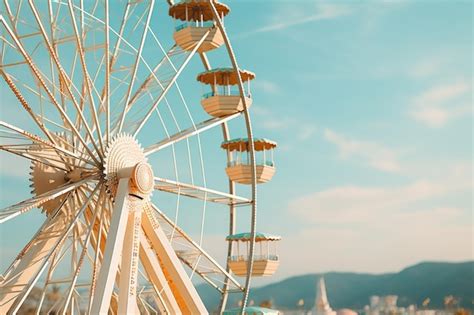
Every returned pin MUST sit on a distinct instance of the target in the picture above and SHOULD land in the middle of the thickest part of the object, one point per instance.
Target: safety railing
(255, 258)
(194, 24)
(226, 93)
(235, 163)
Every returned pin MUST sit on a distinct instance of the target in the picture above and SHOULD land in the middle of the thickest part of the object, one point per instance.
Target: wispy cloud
(373, 154)
(348, 225)
(426, 67)
(266, 86)
(269, 121)
(295, 16)
(358, 205)
(436, 106)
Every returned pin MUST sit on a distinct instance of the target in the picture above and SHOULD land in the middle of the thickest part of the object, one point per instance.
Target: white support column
(129, 266)
(113, 250)
(183, 289)
(152, 267)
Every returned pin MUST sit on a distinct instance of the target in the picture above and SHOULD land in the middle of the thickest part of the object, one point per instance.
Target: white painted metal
(184, 291)
(127, 299)
(198, 192)
(113, 250)
(106, 233)
(205, 125)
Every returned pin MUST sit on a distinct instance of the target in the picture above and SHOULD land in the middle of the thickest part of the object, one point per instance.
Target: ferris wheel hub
(142, 178)
(124, 157)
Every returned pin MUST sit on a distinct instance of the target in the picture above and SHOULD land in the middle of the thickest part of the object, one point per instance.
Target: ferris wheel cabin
(224, 98)
(251, 310)
(265, 261)
(239, 168)
(197, 19)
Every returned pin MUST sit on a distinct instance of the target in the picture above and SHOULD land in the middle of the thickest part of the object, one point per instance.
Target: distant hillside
(352, 290)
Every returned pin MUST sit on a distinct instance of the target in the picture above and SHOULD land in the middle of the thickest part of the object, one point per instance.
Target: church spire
(321, 305)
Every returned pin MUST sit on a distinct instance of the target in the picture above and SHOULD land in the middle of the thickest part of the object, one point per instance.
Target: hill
(352, 290)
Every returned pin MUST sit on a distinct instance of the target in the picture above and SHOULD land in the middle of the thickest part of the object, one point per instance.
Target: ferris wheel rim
(246, 115)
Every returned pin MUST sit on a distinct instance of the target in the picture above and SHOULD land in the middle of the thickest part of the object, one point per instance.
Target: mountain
(352, 290)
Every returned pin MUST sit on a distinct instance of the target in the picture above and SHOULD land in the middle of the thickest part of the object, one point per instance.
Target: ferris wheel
(99, 84)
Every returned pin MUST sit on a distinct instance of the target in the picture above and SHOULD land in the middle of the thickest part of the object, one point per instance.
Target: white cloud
(376, 229)
(306, 131)
(441, 104)
(269, 121)
(373, 154)
(426, 67)
(359, 205)
(266, 86)
(295, 16)
(436, 117)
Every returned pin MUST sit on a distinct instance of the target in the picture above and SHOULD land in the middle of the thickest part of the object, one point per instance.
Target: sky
(371, 104)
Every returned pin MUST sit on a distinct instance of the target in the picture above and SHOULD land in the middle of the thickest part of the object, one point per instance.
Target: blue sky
(371, 105)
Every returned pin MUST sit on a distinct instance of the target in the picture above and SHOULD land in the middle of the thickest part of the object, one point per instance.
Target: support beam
(113, 250)
(198, 192)
(170, 84)
(183, 289)
(127, 300)
(157, 278)
(182, 135)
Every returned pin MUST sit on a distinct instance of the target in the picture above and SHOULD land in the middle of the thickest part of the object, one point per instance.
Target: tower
(321, 305)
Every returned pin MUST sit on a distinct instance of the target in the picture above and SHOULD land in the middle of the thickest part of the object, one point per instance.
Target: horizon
(371, 104)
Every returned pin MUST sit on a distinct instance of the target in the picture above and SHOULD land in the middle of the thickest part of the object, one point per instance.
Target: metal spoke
(13, 211)
(218, 269)
(182, 135)
(170, 84)
(87, 78)
(38, 140)
(83, 253)
(198, 192)
(19, 301)
(135, 66)
(46, 89)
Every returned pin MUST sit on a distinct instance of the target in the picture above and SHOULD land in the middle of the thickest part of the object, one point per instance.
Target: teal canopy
(245, 237)
(252, 310)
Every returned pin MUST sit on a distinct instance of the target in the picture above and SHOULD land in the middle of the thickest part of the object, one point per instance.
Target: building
(321, 305)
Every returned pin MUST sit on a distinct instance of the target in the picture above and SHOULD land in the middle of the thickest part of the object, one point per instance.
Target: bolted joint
(141, 180)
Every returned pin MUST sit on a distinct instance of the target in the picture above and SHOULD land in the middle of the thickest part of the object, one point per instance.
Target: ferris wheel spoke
(87, 78)
(40, 144)
(106, 99)
(147, 82)
(44, 227)
(70, 291)
(43, 84)
(175, 272)
(206, 263)
(36, 261)
(15, 210)
(38, 159)
(135, 65)
(26, 106)
(65, 80)
(157, 278)
(198, 192)
(185, 134)
(169, 85)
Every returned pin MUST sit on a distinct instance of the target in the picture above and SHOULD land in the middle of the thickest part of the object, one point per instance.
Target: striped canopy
(224, 76)
(196, 9)
(241, 144)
